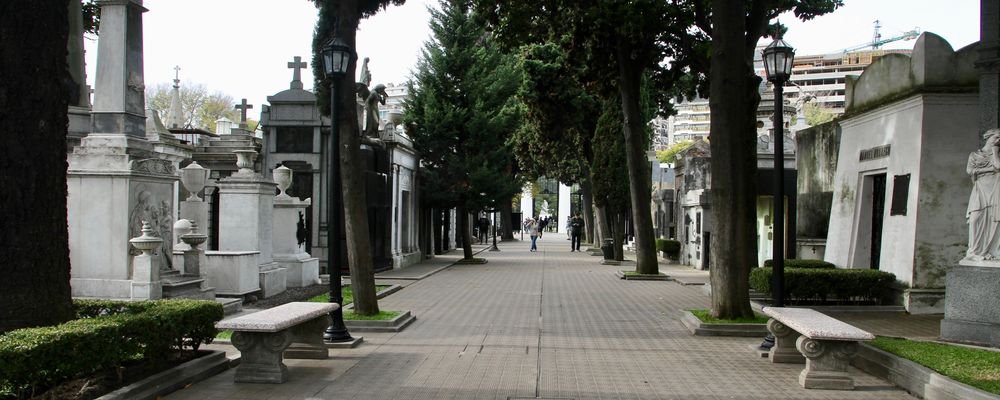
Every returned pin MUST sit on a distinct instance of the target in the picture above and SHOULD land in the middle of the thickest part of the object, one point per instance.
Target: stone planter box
(699, 328)
(172, 379)
(397, 324)
(644, 277)
(915, 378)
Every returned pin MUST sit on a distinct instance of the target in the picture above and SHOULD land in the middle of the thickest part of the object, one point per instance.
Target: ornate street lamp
(778, 57)
(336, 58)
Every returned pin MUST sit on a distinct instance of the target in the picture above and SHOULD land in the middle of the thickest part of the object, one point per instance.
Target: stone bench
(827, 343)
(263, 336)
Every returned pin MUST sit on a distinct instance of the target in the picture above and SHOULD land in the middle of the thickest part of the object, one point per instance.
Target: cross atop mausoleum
(243, 107)
(296, 65)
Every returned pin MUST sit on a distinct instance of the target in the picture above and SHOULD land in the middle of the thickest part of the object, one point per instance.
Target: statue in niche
(983, 213)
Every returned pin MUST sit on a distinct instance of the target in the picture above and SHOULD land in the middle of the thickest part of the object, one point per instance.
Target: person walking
(576, 230)
(532, 227)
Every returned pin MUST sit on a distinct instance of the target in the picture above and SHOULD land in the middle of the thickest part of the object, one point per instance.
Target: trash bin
(608, 250)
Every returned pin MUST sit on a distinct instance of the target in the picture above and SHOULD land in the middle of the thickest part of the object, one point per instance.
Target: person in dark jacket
(576, 230)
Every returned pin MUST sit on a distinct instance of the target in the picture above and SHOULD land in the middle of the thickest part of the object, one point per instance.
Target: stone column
(119, 96)
(193, 256)
(397, 212)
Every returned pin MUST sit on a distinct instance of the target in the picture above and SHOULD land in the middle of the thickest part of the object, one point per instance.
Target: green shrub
(106, 334)
(796, 263)
(669, 246)
(809, 284)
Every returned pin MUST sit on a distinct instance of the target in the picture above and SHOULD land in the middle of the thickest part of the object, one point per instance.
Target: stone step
(186, 287)
(230, 305)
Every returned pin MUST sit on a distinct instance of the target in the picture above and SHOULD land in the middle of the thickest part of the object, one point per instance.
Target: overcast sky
(242, 47)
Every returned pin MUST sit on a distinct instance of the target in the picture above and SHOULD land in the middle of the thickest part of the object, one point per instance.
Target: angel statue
(376, 97)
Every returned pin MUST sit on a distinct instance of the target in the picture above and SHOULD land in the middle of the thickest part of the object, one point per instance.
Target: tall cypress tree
(460, 113)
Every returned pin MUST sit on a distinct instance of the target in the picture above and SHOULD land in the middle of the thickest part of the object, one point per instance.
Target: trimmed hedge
(668, 246)
(797, 263)
(106, 334)
(810, 284)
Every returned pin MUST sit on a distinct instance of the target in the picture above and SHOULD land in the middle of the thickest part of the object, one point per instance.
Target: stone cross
(177, 73)
(296, 65)
(243, 107)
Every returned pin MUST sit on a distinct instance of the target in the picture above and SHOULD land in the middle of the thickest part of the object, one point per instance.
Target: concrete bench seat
(824, 343)
(262, 338)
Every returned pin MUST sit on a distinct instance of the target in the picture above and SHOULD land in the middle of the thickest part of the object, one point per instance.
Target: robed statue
(984, 211)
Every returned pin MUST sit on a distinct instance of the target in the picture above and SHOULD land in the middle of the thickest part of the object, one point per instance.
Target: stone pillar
(302, 269)
(564, 208)
(397, 212)
(145, 267)
(527, 202)
(245, 220)
(119, 96)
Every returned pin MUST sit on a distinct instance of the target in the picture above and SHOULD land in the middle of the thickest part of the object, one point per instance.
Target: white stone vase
(244, 161)
(147, 242)
(194, 177)
(283, 177)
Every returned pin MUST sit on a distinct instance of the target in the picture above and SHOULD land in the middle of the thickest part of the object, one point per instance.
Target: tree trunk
(465, 229)
(603, 228)
(638, 166)
(733, 247)
(618, 235)
(34, 258)
(588, 213)
(506, 221)
(359, 248)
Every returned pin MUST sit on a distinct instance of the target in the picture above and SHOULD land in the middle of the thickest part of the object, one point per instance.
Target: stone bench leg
(826, 363)
(307, 340)
(260, 356)
(783, 350)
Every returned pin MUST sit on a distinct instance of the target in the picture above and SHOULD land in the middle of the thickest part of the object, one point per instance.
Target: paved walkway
(551, 324)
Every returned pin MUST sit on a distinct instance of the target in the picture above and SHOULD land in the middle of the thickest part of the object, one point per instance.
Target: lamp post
(778, 57)
(336, 59)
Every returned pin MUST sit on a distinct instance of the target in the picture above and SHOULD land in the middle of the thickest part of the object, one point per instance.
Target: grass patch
(706, 317)
(383, 315)
(973, 367)
(346, 292)
(225, 334)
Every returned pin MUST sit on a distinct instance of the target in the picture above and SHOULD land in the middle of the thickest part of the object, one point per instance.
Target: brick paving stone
(546, 324)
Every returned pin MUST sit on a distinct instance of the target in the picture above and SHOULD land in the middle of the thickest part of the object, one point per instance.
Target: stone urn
(244, 161)
(193, 238)
(194, 177)
(181, 228)
(147, 242)
(283, 177)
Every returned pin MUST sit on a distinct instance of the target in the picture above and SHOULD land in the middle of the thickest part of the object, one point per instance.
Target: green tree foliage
(669, 154)
(200, 108)
(816, 115)
(621, 42)
(460, 112)
(560, 115)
